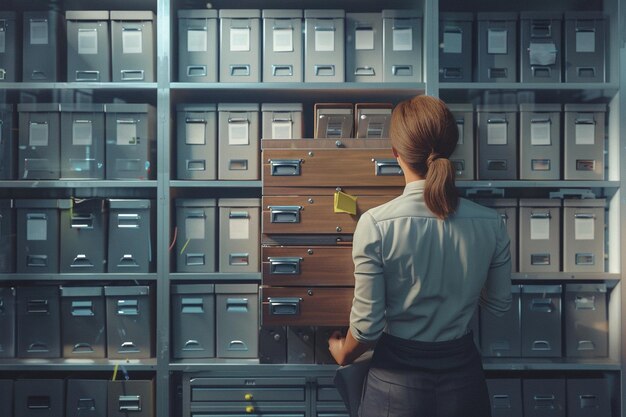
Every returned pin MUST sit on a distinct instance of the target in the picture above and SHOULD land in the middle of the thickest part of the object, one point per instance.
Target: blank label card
(132, 42)
(497, 41)
(324, 40)
(82, 133)
(403, 39)
(87, 41)
(452, 42)
(281, 130)
(239, 39)
(586, 41)
(38, 134)
(585, 133)
(38, 32)
(197, 40)
(540, 228)
(584, 228)
(282, 40)
(496, 134)
(195, 134)
(540, 133)
(194, 227)
(238, 134)
(126, 133)
(239, 229)
(364, 39)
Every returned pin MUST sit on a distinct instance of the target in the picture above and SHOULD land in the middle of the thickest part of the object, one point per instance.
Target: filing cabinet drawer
(308, 265)
(326, 390)
(312, 214)
(306, 306)
(321, 163)
(225, 393)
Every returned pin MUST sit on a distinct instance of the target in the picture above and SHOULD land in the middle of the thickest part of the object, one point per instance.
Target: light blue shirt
(420, 278)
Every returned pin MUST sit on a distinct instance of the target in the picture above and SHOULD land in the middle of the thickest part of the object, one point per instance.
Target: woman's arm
(346, 349)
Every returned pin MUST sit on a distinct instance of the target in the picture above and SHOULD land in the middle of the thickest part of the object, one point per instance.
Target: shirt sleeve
(496, 293)
(367, 318)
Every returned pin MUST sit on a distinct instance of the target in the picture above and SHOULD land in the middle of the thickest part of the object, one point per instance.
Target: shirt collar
(414, 187)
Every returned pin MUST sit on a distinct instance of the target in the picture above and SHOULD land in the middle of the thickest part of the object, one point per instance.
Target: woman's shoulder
(468, 208)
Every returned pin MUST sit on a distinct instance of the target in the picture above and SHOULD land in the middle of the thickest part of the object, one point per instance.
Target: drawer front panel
(312, 214)
(308, 266)
(330, 168)
(306, 306)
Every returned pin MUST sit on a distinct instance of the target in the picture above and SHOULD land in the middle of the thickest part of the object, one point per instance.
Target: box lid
(132, 15)
(129, 204)
(599, 287)
(198, 14)
(87, 15)
(461, 107)
(123, 291)
(541, 15)
(82, 291)
(541, 289)
(239, 202)
(401, 14)
(534, 107)
(240, 14)
(193, 289)
(195, 202)
(38, 107)
(236, 288)
(496, 202)
(539, 202)
(586, 202)
(237, 107)
(45, 203)
(191, 107)
(282, 14)
(493, 16)
(579, 107)
(127, 108)
(586, 15)
(456, 16)
(297, 107)
(324, 14)
(82, 108)
(495, 108)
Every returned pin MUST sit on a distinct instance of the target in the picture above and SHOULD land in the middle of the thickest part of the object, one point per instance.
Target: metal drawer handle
(285, 167)
(287, 306)
(387, 167)
(82, 309)
(542, 305)
(285, 214)
(87, 75)
(192, 346)
(82, 348)
(129, 403)
(81, 261)
(285, 266)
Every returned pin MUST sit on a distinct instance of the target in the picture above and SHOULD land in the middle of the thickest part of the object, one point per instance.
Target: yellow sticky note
(345, 203)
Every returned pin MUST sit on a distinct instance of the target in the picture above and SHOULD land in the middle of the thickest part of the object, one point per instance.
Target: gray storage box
(6, 397)
(130, 248)
(197, 46)
(41, 46)
(497, 142)
(88, 47)
(372, 120)
(86, 398)
(38, 322)
(539, 235)
(239, 234)
(541, 320)
(300, 344)
(541, 47)
(39, 149)
(364, 47)
(507, 208)
(83, 236)
(240, 46)
(586, 321)
(282, 120)
(39, 397)
(501, 336)
(583, 235)
(588, 397)
(8, 47)
(497, 47)
(544, 398)
(131, 399)
(584, 141)
(196, 142)
(463, 156)
(82, 141)
(540, 141)
(455, 47)
(402, 46)
(130, 322)
(273, 344)
(239, 154)
(7, 237)
(8, 144)
(333, 120)
(193, 321)
(505, 396)
(585, 47)
(324, 51)
(133, 46)
(196, 240)
(237, 320)
(37, 236)
(131, 141)
(283, 46)
(83, 331)
(7, 323)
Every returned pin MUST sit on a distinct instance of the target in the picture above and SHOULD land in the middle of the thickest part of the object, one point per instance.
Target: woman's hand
(335, 346)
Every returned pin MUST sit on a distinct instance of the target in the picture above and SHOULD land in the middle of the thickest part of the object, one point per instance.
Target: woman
(423, 261)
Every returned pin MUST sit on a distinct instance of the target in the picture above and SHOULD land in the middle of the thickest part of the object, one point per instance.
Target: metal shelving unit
(105, 276)
(91, 365)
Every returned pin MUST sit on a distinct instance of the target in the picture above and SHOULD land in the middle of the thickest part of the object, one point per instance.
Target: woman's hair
(424, 133)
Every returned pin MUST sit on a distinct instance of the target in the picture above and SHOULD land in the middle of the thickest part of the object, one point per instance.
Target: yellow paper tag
(345, 203)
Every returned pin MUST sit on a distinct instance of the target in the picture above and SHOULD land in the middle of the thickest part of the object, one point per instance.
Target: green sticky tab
(345, 203)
